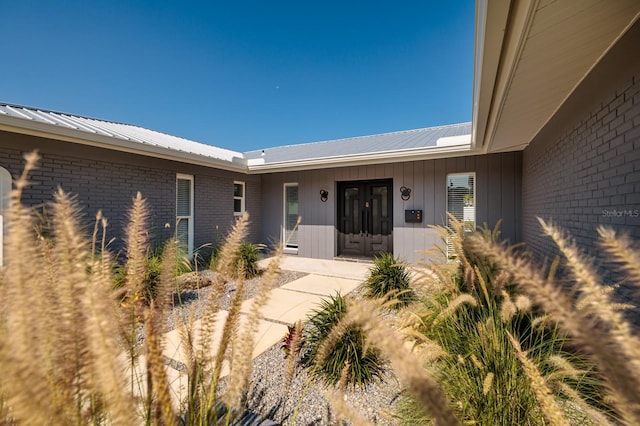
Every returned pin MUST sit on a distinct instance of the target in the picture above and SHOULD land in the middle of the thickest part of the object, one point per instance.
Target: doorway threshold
(354, 259)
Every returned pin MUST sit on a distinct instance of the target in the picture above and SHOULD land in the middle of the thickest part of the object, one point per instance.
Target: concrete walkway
(287, 304)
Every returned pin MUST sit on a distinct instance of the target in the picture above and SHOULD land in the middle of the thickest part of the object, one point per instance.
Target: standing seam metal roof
(361, 145)
(385, 142)
(116, 130)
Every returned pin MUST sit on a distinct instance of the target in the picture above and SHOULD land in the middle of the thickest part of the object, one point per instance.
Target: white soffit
(549, 47)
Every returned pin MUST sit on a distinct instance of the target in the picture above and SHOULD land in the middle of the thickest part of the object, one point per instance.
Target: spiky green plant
(351, 360)
(583, 307)
(475, 316)
(389, 278)
(247, 259)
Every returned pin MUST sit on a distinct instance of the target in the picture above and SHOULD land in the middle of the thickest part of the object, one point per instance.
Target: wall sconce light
(324, 195)
(405, 193)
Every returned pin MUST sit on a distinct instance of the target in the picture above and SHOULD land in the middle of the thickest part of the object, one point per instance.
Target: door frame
(367, 239)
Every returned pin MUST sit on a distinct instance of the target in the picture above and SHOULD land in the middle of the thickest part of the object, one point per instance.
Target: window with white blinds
(461, 200)
(290, 234)
(184, 211)
(238, 198)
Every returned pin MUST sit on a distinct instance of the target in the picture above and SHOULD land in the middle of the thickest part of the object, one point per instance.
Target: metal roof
(115, 130)
(362, 145)
(386, 147)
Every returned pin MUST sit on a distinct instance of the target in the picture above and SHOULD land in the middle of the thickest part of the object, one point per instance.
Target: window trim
(242, 198)
(475, 204)
(181, 176)
(291, 249)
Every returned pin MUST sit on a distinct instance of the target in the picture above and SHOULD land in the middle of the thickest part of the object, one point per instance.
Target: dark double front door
(365, 218)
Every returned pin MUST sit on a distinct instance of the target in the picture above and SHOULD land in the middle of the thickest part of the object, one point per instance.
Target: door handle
(366, 223)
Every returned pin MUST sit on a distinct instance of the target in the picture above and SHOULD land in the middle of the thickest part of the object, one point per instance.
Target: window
(461, 200)
(238, 198)
(290, 232)
(5, 192)
(184, 211)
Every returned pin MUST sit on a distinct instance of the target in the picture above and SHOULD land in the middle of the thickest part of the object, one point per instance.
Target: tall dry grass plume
(496, 342)
(70, 345)
(59, 345)
(582, 306)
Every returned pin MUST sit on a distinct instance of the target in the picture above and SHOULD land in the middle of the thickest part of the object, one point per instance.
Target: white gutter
(412, 154)
(511, 46)
(492, 26)
(481, 20)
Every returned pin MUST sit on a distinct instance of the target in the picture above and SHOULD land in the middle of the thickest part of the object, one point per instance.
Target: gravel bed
(304, 403)
(196, 299)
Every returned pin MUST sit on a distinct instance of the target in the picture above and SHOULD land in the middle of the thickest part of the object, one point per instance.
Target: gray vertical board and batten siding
(497, 197)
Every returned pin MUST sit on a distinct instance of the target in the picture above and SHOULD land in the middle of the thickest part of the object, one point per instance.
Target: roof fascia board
(44, 130)
(490, 23)
(517, 27)
(363, 159)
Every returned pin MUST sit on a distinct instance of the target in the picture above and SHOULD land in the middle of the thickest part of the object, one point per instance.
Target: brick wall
(108, 181)
(583, 169)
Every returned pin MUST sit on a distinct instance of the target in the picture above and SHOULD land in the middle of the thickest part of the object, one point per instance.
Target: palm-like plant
(389, 278)
(349, 360)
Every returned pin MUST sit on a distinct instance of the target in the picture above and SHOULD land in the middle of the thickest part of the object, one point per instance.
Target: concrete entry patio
(287, 304)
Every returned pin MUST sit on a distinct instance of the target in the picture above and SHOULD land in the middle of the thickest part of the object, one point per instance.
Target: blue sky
(243, 75)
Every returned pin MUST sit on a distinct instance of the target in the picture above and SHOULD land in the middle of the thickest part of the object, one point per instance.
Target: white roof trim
(413, 154)
(454, 140)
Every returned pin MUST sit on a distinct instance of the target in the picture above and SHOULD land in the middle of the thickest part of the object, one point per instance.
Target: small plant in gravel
(389, 278)
(350, 360)
(245, 261)
(292, 340)
(153, 268)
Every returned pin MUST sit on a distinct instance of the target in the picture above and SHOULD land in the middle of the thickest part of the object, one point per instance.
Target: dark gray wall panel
(427, 180)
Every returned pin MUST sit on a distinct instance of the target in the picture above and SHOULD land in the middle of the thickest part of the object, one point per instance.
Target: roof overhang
(44, 130)
(530, 56)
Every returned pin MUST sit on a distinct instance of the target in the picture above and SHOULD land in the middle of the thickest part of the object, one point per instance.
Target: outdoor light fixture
(324, 195)
(405, 193)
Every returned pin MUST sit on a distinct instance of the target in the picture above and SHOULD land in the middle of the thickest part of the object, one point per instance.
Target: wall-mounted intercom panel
(413, 216)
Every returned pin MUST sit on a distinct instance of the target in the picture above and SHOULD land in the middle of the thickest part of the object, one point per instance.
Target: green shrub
(348, 361)
(153, 269)
(389, 278)
(247, 260)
